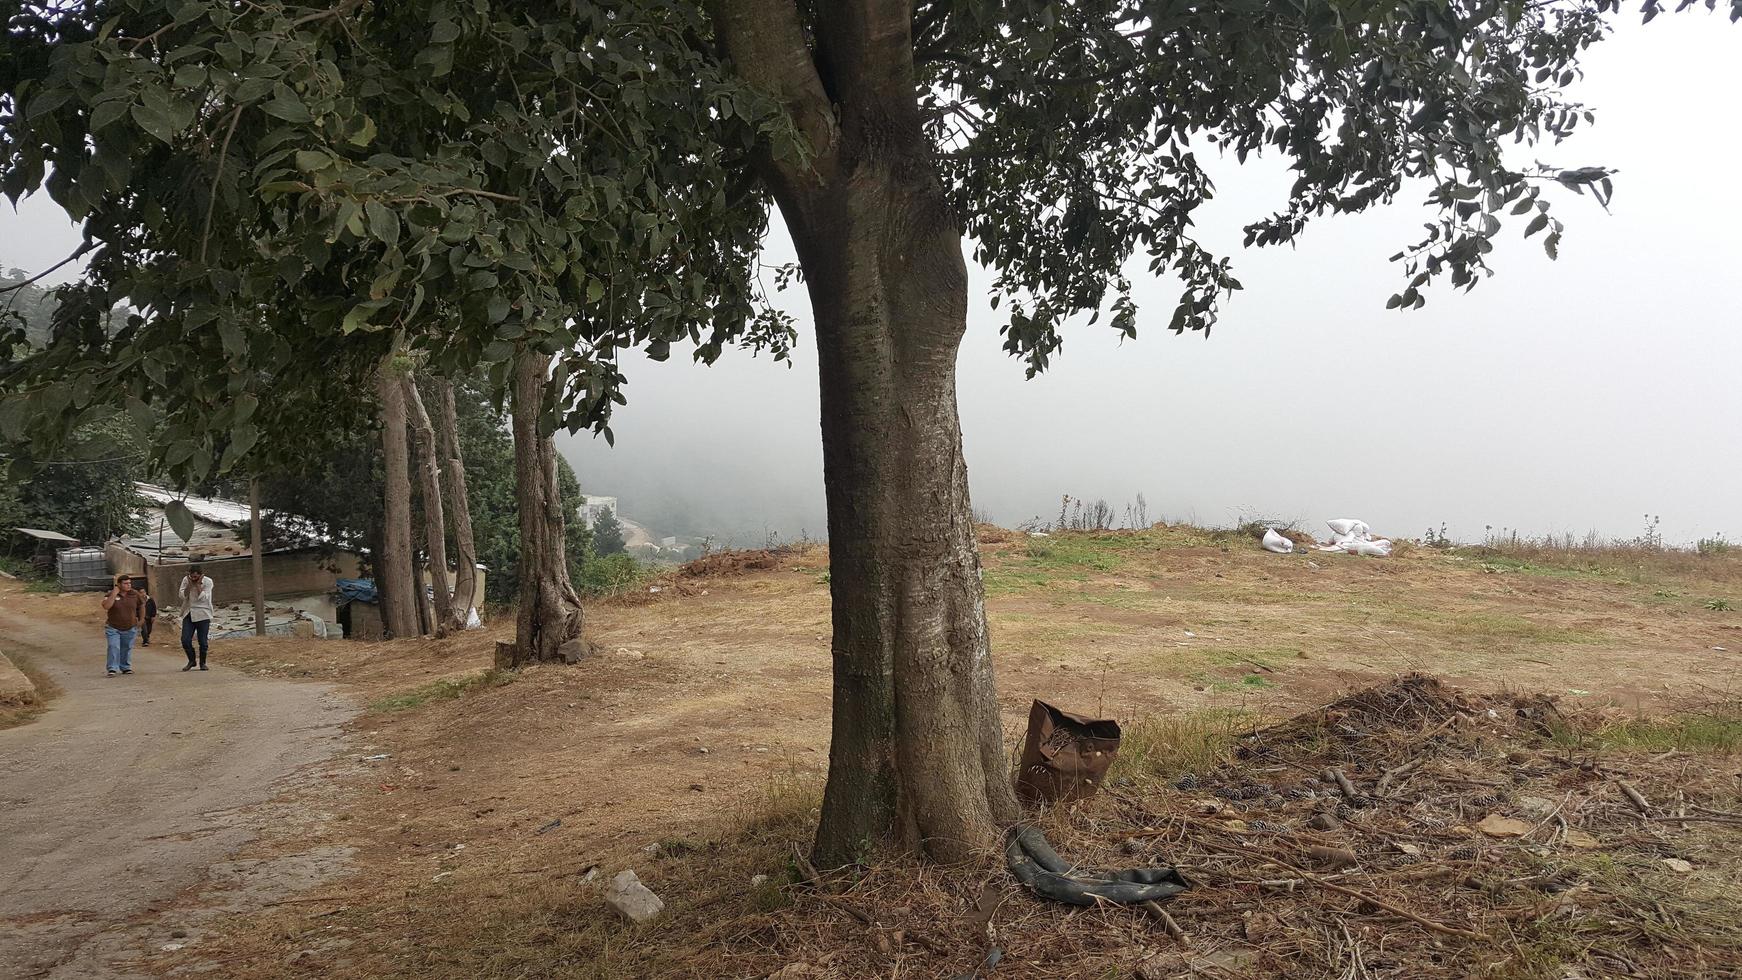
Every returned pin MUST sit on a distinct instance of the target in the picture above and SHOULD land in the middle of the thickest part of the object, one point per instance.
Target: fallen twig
(1389, 775)
(1342, 781)
(1354, 893)
(1698, 818)
(1634, 796)
(1171, 927)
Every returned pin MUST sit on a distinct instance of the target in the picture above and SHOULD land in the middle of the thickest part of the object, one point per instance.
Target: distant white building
(592, 507)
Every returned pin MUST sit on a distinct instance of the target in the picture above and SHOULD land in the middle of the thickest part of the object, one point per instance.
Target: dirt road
(133, 790)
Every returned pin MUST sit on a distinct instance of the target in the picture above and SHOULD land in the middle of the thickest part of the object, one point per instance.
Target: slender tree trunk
(459, 508)
(550, 610)
(917, 752)
(258, 547)
(423, 443)
(393, 573)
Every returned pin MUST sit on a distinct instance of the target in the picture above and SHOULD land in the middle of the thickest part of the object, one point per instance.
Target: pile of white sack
(1353, 537)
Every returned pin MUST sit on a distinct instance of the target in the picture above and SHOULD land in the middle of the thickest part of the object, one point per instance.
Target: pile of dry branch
(1409, 830)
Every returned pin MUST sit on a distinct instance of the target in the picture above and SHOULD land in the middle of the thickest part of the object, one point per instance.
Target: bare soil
(135, 788)
(475, 805)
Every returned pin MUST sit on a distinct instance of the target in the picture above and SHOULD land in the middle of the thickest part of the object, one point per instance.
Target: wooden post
(259, 547)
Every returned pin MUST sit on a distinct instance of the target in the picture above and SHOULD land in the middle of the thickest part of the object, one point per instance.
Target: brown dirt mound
(735, 562)
(993, 534)
(1408, 830)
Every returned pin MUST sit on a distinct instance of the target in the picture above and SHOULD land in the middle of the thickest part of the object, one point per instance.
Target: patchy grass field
(477, 808)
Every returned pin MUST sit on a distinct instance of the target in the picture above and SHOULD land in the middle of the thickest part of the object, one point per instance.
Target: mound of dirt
(725, 563)
(993, 534)
(1408, 830)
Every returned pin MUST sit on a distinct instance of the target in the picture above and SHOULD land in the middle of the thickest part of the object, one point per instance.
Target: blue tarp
(358, 590)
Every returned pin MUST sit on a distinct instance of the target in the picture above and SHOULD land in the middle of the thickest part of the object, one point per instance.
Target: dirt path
(133, 789)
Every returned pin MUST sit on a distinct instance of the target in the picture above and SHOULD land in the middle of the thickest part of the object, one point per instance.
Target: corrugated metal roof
(46, 535)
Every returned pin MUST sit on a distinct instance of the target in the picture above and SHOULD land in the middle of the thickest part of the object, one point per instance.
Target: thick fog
(1558, 396)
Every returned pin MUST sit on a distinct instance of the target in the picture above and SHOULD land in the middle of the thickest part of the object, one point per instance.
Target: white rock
(1677, 865)
(629, 898)
(758, 881)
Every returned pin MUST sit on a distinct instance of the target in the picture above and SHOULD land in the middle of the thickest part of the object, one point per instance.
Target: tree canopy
(274, 186)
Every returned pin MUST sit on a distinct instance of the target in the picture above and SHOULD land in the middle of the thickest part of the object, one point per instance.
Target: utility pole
(259, 564)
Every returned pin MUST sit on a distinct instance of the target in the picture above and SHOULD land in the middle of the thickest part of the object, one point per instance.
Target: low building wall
(287, 573)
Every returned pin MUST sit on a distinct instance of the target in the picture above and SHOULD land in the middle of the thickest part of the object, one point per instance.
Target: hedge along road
(129, 789)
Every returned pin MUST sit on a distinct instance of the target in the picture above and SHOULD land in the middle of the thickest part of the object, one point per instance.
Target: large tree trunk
(550, 609)
(466, 597)
(393, 573)
(423, 441)
(917, 752)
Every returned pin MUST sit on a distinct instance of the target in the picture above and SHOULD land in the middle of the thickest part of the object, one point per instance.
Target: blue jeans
(191, 629)
(120, 648)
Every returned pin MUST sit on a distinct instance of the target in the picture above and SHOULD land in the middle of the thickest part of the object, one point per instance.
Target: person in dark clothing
(150, 619)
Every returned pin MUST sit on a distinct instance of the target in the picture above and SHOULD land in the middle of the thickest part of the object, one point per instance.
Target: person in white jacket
(196, 615)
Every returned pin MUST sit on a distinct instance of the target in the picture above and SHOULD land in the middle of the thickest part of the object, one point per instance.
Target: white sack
(1277, 543)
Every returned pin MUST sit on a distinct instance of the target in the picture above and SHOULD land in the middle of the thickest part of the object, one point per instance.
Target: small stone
(573, 651)
(653, 850)
(1409, 849)
(1678, 865)
(1581, 840)
(757, 881)
(1495, 825)
(696, 787)
(179, 934)
(628, 897)
(170, 947)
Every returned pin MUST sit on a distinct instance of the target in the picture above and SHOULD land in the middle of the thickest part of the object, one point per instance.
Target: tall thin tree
(423, 442)
(394, 575)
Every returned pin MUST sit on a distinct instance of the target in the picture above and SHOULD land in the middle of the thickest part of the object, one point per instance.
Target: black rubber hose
(1039, 868)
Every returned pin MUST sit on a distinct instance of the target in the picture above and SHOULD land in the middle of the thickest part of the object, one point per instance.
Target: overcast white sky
(1559, 396)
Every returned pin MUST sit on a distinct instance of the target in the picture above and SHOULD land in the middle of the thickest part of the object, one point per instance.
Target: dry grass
(1163, 628)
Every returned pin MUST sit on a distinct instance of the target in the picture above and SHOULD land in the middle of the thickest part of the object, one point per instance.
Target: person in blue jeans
(196, 615)
(124, 610)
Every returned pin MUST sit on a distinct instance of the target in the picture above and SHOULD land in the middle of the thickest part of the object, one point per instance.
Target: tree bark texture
(423, 442)
(550, 609)
(466, 597)
(917, 752)
(393, 573)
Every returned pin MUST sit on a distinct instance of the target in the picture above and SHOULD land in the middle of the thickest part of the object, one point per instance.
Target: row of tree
(530, 189)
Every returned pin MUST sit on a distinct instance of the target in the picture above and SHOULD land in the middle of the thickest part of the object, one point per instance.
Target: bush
(608, 575)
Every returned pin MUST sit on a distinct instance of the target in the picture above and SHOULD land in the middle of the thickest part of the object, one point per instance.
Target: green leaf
(155, 120)
(497, 308)
(286, 106)
(1537, 224)
(365, 133)
(245, 406)
(383, 223)
(595, 290)
(242, 439)
(106, 113)
(181, 520)
(309, 161)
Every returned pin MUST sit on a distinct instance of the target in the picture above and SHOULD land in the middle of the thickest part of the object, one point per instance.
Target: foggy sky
(1558, 396)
